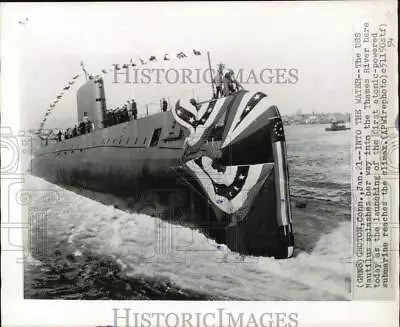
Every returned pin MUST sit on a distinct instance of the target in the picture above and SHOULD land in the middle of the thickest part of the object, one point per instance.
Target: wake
(148, 247)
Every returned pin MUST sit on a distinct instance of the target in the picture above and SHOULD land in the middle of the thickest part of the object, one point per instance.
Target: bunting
(152, 58)
(58, 98)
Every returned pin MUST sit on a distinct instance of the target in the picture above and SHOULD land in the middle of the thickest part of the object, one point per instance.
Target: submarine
(227, 154)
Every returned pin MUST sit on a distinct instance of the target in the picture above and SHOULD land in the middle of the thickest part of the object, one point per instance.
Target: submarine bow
(230, 153)
(235, 152)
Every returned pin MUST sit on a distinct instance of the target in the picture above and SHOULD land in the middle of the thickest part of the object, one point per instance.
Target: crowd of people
(127, 112)
(119, 115)
(225, 82)
(112, 117)
(84, 127)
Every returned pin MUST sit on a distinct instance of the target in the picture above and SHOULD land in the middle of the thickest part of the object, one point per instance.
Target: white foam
(148, 246)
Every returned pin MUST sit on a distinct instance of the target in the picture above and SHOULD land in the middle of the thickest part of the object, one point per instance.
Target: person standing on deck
(134, 109)
(235, 85)
(82, 129)
(231, 85)
(66, 134)
(86, 122)
(218, 81)
(164, 105)
(129, 110)
(227, 84)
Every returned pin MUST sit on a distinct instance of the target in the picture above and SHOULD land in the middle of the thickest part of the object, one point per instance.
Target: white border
(19, 312)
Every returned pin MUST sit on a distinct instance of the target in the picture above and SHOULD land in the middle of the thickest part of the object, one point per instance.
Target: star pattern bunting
(228, 191)
(277, 130)
(256, 98)
(190, 118)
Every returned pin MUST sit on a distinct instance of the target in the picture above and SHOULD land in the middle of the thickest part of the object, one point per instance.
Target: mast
(211, 74)
(84, 70)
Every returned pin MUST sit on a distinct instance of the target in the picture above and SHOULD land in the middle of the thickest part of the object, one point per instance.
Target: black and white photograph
(201, 152)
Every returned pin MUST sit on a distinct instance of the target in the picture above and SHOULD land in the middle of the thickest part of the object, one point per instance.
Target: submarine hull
(224, 161)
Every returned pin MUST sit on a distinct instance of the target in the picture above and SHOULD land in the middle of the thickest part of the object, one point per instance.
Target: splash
(147, 248)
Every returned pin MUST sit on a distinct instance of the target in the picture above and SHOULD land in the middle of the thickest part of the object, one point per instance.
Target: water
(105, 251)
(319, 162)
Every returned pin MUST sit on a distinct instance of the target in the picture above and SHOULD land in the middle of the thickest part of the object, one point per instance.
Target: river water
(95, 247)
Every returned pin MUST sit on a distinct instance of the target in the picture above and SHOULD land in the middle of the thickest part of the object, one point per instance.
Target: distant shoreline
(308, 124)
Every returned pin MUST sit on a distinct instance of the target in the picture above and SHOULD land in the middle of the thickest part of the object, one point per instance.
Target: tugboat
(337, 126)
(228, 152)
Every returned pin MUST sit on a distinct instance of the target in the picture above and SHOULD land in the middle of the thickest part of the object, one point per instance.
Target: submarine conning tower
(228, 154)
(91, 101)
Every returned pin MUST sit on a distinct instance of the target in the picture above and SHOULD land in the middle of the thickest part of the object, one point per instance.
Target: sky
(314, 38)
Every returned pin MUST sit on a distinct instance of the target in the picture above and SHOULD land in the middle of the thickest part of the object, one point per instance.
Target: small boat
(337, 126)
